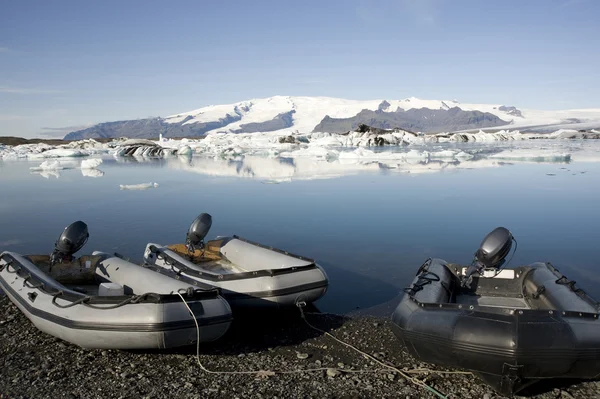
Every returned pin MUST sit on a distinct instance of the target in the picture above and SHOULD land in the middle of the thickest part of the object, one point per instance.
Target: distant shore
(37, 365)
(13, 140)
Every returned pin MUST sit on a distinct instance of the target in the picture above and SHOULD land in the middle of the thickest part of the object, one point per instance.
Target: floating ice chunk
(142, 186)
(315, 152)
(463, 155)
(414, 154)
(442, 154)
(51, 165)
(537, 155)
(91, 163)
(59, 153)
(92, 172)
(184, 150)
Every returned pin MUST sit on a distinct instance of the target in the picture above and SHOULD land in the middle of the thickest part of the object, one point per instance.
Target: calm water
(370, 226)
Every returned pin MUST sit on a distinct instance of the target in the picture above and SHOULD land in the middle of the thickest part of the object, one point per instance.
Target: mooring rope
(266, 373)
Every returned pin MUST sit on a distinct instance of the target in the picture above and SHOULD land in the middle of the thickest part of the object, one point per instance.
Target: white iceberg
(52, 165)
(142, 186)
(91, 163)
(59, 153)
(184, 150)
(536, 155)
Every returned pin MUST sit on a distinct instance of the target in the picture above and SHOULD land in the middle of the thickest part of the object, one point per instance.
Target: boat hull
(119, 322)
(300, 280)
(508, 347)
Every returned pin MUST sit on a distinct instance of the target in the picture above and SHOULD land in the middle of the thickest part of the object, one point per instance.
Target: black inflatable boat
(511, 327)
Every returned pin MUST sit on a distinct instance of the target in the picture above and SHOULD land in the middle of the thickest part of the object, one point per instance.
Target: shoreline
(37, 365)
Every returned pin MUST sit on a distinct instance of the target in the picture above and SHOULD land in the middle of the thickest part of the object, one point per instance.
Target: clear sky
(70, 63)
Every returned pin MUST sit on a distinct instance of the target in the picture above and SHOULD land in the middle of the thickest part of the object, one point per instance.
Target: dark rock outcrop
(511, 110)
(281, 121)
(149, 128)
(424, 120)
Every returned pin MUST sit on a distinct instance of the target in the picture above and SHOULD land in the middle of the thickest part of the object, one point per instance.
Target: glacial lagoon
(370, 220)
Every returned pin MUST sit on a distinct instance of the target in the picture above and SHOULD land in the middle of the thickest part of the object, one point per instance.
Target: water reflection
(92, 172)
(304, 168)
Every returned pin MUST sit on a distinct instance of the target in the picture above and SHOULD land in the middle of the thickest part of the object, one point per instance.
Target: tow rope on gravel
(267, 373)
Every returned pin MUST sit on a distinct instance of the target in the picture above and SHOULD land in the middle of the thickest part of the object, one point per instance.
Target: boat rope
(85, 301)
(267, 373)
(425, 278)
(408, 377)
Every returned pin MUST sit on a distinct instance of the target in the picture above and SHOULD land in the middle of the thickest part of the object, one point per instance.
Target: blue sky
(71, 63)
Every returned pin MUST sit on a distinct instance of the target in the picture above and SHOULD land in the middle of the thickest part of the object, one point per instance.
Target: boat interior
(78, 274)
(504, 291)
(209, 258)
(539, 287)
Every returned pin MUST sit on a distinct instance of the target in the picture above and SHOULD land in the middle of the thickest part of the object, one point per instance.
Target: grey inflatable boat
(511, 327)
(248, 274)
(104, 301)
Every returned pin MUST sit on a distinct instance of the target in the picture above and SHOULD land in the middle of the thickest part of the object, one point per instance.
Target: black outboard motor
(197, 231)
(491, 253)
(72, 239)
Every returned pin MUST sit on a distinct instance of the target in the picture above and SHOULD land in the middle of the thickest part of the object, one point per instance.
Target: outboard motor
(197, 231)
(72, 239)
(491, 253)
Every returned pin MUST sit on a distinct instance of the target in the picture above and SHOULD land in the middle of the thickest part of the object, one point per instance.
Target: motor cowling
(491, 253)
(72, 239)
(198, 231)
(494, 248)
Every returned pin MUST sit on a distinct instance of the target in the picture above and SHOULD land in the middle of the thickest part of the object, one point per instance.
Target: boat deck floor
(502, 302)
(209, 260)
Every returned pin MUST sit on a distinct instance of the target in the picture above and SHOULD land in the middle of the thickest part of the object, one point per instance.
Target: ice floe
(79, 148)
(539, 155)
(52, 165)
(91, 163)
(141, 186)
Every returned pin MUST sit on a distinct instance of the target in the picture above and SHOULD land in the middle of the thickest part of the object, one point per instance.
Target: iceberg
(91, 163)
(142, 186)
(536, 155)
(59, 153)
(52, 165)
(326, 145)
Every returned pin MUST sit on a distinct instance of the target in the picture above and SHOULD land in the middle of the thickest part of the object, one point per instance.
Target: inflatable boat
(104, 301)
(511, 327)
(248, 274)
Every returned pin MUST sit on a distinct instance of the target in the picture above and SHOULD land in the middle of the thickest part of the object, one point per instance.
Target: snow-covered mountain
(286, 114)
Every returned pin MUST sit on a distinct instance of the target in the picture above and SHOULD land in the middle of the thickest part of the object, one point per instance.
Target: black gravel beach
(37, 365)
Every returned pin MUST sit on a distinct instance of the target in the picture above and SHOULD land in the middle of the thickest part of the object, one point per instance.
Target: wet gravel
(37, 365)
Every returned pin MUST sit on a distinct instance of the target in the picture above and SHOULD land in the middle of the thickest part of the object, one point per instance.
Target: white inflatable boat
(248, 274)
(103, 301)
